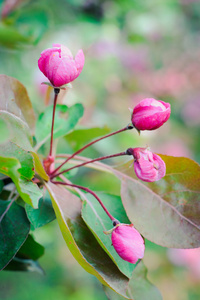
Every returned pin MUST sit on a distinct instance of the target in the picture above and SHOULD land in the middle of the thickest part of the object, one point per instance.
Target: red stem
(128, 127)
(88, 162)
(56, 92)
(88, 191)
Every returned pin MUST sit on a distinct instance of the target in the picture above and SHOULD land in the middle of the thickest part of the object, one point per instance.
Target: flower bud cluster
(58, 65)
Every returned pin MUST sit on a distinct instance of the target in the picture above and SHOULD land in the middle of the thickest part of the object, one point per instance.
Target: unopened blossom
(127, 242)
(150, 114)
(148, 166)
(58, 65)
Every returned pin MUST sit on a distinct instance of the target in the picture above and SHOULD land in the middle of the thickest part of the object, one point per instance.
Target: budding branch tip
(130, 126)
(56, 91)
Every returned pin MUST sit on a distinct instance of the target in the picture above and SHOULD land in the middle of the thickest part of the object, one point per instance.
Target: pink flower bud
(58, 65)
(147, 165)
(150, 114)
(127, 242)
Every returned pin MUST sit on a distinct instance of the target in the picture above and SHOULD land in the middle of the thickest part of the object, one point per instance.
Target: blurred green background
(133, 50)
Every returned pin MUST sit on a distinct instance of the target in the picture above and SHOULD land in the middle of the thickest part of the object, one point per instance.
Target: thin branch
(128, 127)
(88, 162)
(56, 92)
(88, 191)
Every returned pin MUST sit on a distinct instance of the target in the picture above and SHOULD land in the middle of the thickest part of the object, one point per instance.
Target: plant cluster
(159, 201)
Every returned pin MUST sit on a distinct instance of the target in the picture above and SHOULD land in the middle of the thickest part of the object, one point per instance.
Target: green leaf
(80, 137)
(20, 135)
(28, 190)
(139, 287)
(20, 264)
(5, 132)
(14, 228)
(19, 130)
(25, 159)
(16, 111)
(65, 120)
(18, 165)
(10, 37)
(39, 167)
(34, 20)
(15, 100)
(98, 221)
(167, 211)
(1, 185)
(25, 259)
(30, 249)
(81, 241)
(43, 215)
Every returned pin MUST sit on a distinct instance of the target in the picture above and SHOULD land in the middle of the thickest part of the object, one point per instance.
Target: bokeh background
(133, 50)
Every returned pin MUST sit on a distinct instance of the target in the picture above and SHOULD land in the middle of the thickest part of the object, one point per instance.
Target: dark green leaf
(43, 215)
(25, 259)
(20, 264)
(81, 241)
(98, 221)
(1, 185)
(30, 249)
(139, 287)
(65, 120)
(14, 228)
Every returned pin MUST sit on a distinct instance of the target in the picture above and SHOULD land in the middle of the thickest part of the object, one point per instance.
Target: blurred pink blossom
(174, 147)
(187, 257)
(191, 112)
